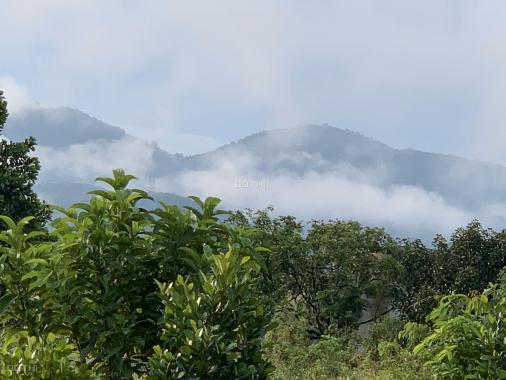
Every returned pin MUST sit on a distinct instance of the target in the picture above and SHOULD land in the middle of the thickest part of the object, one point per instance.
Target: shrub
(212, 327)
(343, 356)
(295, 356)
(469, 340)
(385, 330)
(51, 357)
(88, 290)
(412, 334)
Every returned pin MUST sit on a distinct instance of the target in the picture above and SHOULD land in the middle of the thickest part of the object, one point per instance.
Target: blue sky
(191, 75)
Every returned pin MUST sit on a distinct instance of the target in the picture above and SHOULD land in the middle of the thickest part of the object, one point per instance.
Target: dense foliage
(330, 268)
(469, 338)
(379, 354)
(18, 173)
(467, 262)
(324, 275)
(116, 291)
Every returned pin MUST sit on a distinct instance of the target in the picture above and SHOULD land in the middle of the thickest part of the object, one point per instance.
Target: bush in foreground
(469, 339)
(115, 291)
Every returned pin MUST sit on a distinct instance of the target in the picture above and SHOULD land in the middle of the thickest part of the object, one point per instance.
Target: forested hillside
(111, 289)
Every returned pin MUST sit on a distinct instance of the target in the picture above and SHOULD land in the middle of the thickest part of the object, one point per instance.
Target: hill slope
(325, 149)
(59, 127)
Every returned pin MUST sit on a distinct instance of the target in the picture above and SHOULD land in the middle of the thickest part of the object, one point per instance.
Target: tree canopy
(18, 172)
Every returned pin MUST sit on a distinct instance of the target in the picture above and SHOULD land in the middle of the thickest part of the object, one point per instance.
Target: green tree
(415, 291)
(18, 173)
(329, 267)
(466, 262)
(469, 337)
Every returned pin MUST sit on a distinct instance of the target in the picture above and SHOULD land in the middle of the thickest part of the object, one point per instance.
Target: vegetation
(466, 263)
(113, 291)
(322, 275)
(18, 173)
(110, 292)
(469, 338)
(330, 268)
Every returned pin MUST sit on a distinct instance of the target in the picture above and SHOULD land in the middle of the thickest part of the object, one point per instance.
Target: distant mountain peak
(323, 140)
(60, 127)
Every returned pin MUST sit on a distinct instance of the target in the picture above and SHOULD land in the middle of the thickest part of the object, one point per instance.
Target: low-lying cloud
(85, 162)
(404, 210)
(339, 192)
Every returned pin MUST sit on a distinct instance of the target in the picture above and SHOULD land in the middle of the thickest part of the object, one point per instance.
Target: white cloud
(16, 95)
(402, 208)
(406, 209)
(338, 192)
(84, 162)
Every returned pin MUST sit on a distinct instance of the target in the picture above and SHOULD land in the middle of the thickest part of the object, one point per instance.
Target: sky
(192, 75)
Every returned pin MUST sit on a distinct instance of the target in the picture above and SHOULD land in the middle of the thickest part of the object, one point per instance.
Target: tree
(469, 337)
(3, 110)
(415, 291)
(18, 173)
(330, 268)
(466, 263)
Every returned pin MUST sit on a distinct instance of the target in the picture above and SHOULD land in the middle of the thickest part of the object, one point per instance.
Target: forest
(111, 290)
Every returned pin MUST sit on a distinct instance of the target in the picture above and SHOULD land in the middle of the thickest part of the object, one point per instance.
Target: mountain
(62, 128)
(325, 149)
(59, 127)
(317, 171)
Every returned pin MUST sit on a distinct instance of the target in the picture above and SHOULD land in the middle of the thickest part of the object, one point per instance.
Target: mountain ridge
(295, 154)
(60, 126)
(22, 124)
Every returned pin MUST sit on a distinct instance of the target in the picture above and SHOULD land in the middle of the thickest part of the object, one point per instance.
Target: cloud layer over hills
(313, 171)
